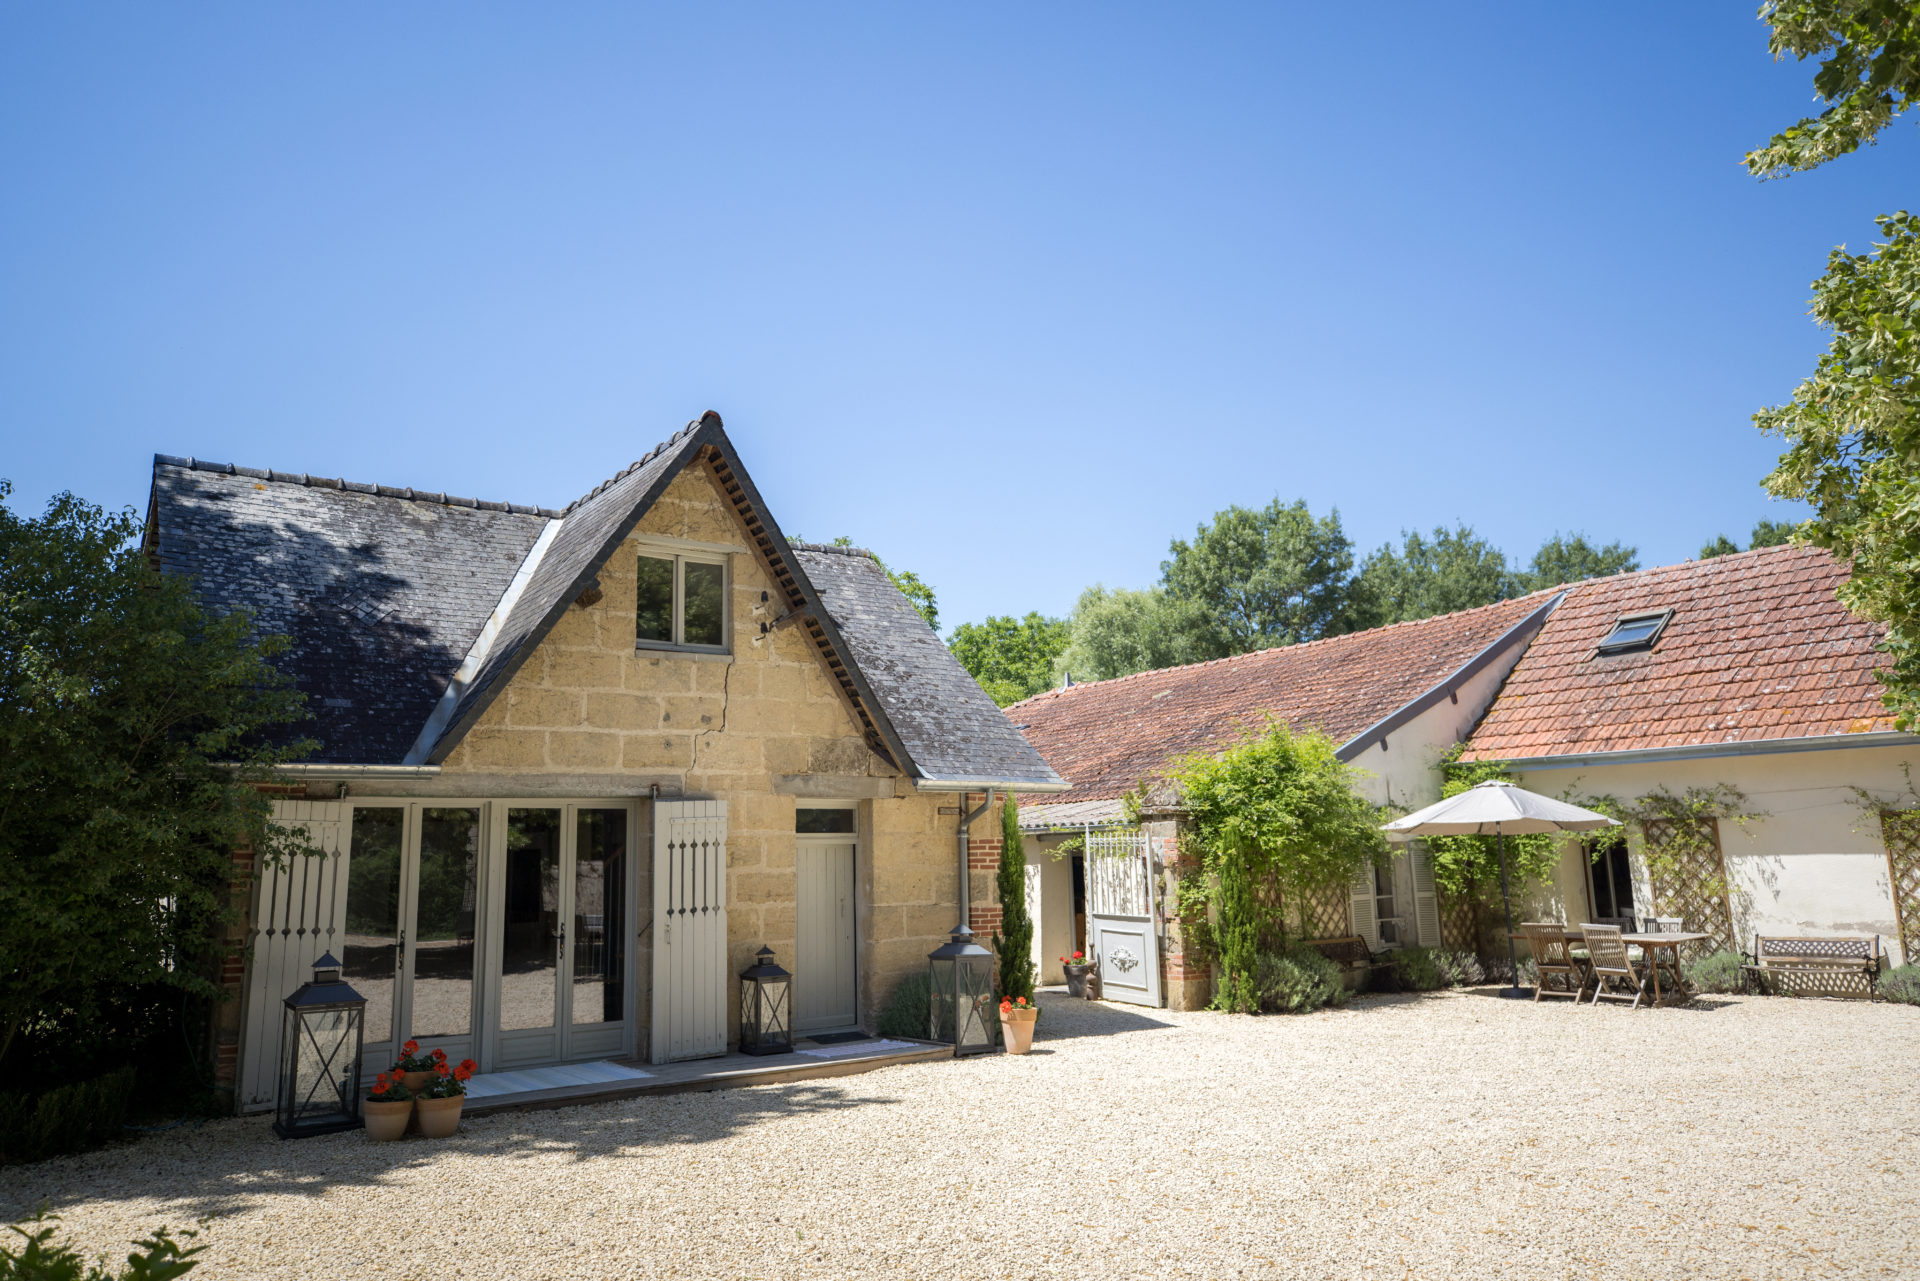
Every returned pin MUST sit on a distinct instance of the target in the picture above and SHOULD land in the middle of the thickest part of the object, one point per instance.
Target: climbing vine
(1275, 813)
(1468, 865)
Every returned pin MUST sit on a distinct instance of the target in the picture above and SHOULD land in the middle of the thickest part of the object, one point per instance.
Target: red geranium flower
(1006, 1005)
(440, 1056)
(462, 1072)
(443, 1069)
(413, 1047)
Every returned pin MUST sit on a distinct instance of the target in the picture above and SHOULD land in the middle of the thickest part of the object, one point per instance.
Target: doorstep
(604, 1080)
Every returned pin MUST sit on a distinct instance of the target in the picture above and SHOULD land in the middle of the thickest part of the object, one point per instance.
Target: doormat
(864, 1047)
(838, 1038)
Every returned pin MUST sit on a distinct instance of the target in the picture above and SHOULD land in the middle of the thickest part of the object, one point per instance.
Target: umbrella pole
(1506, 901)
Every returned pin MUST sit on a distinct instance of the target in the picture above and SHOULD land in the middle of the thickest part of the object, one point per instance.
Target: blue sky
(1011, 294)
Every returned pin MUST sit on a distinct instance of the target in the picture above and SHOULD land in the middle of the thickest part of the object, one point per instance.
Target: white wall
(1050, 899)
(1814, 865)
(1406, 772)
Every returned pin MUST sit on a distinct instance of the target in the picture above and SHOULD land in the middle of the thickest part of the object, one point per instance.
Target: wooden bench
(1351, 951)
(1814, 967)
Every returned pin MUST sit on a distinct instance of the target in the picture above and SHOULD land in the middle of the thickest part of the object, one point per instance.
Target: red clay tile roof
(1106, 736)
(1758, 648)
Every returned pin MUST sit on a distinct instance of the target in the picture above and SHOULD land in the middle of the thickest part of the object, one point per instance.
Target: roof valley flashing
(410, 612)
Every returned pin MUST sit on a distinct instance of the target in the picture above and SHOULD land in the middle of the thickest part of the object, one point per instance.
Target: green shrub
(1414, 970)
(1460, 969)
(1297, 981)
(41, 1258)
(67, 1118)
(1902, 985)
(908, 1008)
(1719, 972)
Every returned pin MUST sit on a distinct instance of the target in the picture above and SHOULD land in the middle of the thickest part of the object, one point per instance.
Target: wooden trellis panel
(1695, 889)
(1321, 913)
(1459, 928)
(1901, 830)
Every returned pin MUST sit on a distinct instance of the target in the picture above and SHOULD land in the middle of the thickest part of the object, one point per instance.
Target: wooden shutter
(1360, 908)
(299, 911)
(690, 973)
(1426, 903)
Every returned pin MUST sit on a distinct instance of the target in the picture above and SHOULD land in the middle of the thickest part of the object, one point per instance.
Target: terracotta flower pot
(1016, 1029)
(1077, 980)
(438, 1117)
(415, 1081)
(386, 1119)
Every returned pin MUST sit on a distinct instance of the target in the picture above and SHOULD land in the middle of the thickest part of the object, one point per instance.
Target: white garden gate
(1122, 926)
(690, 972)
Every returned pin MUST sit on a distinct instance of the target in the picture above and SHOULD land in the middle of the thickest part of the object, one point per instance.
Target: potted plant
(438, 1105)
(1017, 1015)
(387, 1108)
(414, 1068)
(1078, 966)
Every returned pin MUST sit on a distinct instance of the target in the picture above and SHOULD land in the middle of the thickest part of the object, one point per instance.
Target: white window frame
(681, 555)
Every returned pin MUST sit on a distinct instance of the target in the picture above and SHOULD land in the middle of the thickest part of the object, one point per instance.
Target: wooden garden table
(1653, 945)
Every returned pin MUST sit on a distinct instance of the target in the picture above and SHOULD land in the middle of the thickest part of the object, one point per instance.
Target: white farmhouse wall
(1405, 773)
(1815, 865)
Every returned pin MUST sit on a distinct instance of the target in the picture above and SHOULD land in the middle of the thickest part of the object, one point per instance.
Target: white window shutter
(1360, 907)
(1426, 903)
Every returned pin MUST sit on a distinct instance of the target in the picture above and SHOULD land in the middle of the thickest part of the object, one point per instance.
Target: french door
(413, 880)
(559, 905)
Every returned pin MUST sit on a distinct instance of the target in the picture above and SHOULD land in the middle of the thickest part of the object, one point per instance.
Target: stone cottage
(577, 766)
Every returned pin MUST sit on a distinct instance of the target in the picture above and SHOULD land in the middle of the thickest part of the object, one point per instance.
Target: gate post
(1186, 977)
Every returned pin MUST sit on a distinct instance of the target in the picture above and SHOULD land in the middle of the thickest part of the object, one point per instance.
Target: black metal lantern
(766, 1007)
(320, 1056)
(962, 1010)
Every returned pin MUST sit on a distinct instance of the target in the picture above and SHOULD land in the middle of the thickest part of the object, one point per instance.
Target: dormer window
(1635, 631)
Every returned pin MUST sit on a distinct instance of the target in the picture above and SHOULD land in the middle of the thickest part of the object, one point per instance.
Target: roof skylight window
(1635, 631)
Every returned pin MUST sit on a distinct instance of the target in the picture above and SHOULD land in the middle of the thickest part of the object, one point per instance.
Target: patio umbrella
(1497, 807)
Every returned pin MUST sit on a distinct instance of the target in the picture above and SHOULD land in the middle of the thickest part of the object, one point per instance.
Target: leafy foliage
(1715, 972)
(1869, 73)
(1416, 970)
(1013, 941)
(1122, 631)
(66, 1118)
(1273, 576)
(1766, 533)
(1464, 865)
(132, 727)
(1459, 969)
(1277, 809)
(1853, 433)
(1902, 984)
(42, 1258)
(1571, 558)
(908, 1007)
(1296, 981)
(1012, 658)
(1452, 570)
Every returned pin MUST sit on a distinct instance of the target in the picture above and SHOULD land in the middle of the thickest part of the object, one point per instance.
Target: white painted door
(824, 963)
(690, 973)
(1121, 931)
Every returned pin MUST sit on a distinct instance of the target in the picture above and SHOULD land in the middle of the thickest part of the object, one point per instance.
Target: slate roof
(945, 721)
(1108, 736)
(384, 592)
(380, 590)
(1758, 648)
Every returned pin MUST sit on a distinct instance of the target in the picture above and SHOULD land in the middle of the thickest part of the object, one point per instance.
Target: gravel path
(1452, 1135)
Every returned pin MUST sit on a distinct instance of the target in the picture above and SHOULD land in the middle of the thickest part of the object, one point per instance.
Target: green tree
(1121, 631)
(1013, 941)
(1869, 53)
(1454, 569)
(132, 727)
(1012, 658)
(1720, 546)
(1276, 810)
(917, 592)
(1853, 434)
(1563, 559)
(1772, 533)
(1273, 576)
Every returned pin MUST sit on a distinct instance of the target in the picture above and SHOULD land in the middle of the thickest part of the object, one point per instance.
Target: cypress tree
(1013, 941)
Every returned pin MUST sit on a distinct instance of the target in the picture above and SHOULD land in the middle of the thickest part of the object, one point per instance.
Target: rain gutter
(1714, 751)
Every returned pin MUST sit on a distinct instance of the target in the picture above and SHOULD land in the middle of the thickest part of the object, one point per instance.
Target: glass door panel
(530, 921)
(375, 853)
(598, 937)
(443, 935)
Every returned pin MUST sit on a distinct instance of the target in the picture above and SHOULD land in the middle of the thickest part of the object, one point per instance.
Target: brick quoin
(983, 920)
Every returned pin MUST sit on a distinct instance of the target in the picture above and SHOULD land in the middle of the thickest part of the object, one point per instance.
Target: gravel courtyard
(1452, 1135)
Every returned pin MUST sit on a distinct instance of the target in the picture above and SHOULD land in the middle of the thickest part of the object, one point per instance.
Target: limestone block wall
(591, 707)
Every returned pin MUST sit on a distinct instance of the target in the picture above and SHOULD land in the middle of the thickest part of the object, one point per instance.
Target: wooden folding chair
(1611, 965)
(1552, 959)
